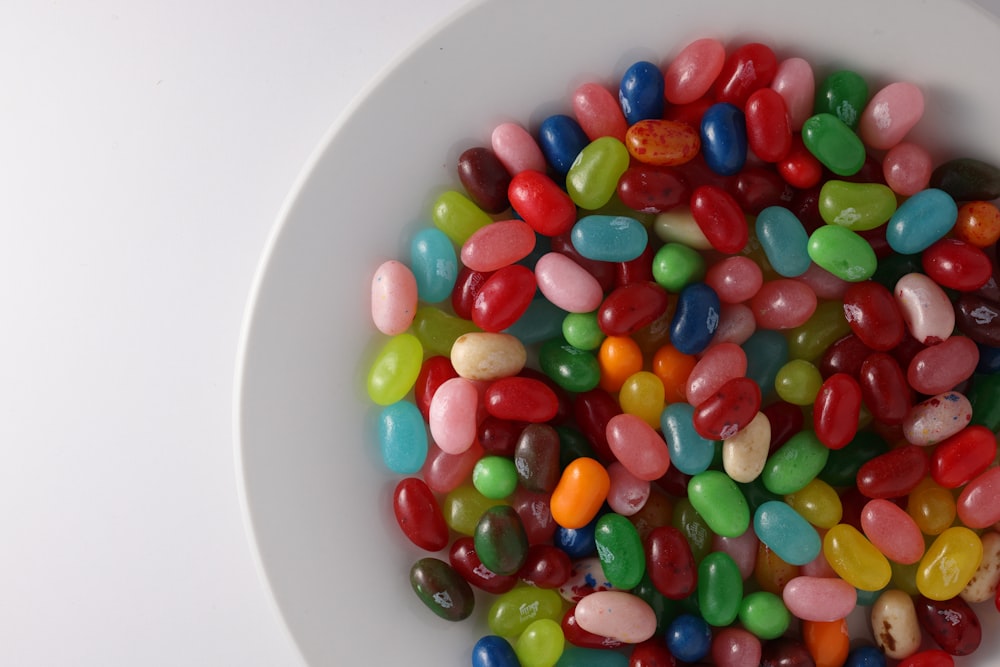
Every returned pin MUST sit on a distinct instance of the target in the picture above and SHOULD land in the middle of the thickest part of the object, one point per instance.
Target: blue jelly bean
(784, 240)
(989, 359)
(577, 542)
(402, 437)
(494, 651)
(724, 138)
(921, 220)
(865, 656)
(695, 319)
(561, 139)
(578, 656)
(641, 92)
(689, 452)
(434, 264)
(767, 352)
(540, 322)
(689, 638)
(609, 238)
(788, 535)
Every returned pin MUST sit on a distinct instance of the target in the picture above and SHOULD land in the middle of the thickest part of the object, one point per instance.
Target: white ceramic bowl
(317, 500)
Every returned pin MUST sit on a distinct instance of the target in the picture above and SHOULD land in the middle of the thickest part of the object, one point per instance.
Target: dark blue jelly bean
(561, 139)
(767, 352)
(577, 542)
(641, 92)
(724, 138)
(494, 651)
(696, 318)
(989, 359)
(865, 656)
(689, 638)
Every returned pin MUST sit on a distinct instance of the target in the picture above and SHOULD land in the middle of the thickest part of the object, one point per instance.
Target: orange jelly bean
(581, 491)
(664, 143)
(618, 358)
(828, 642)
(978, 223)
(673, 367)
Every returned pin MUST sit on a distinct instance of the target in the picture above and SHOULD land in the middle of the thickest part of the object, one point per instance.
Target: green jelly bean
(826, 326)
(593, 177)
(720, 589)
(500, 540)
(512, 612)
(665, 609)
(834, 144)
(395, 369)
(687, 520)
(967, 179)
(438, 331)
(985, 399)
(843, 464)
(458, 216)
(462, 508)
(904, 577)
(765, 615)
(795, 464)
(541, 644)
(676, 265)
(798, 382)
(895, 266)
(573, 445)
(843, 253)
(756, 493)
(569, 367)
(857, 206)
(717, 498)
(620, 549)
(442, 589)
(843, 94)
(495, 477)
(582, 331)
(579, 656)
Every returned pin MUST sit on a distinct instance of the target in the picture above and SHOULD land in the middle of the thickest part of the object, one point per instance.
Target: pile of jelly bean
(693, 371)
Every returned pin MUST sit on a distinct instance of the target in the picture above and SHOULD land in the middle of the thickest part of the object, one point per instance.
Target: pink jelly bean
(691, 74)
(907, 168)
(794, 81)
(627, 494)
(783, 304)
(640, 449)
(819, 598)
(927, 311)
(394, 297)
(938, 368)
(598, 112)
(516, 149)
(497, 245)
(720, 364)
(742, 549)
(890, 114)
(823, 283)
(735, 647)
(818, 567)
(567, 284)
(979, 503)
(892, 531)
(444, 472)
(937, 418)
(453, 415)
(618, 615)
(736, 324)
(735, 279)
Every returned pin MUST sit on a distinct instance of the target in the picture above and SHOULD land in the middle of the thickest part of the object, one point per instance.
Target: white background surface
(145, 149)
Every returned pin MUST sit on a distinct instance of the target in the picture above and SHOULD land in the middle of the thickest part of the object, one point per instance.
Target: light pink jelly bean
(907, 168)
(938, 368)
(453, 416)
(691, 74)
(394, 297)
(794, 80)
(735, 279)
(979, 503)
(639, 448)
(444, 472)
(783, 304)
(937, 418)
(819, 598)
(628, 494)
(742, 549)
(720, 364)
(890, 114)
(567, 284)
(892, 531)
(497, 245)
(927, 311)
(598, 112)
(736, 324)
(516, 149)
(823, 283)
(618, 615)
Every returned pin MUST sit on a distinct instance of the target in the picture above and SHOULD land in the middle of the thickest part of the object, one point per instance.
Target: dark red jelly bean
(884, 388)
(521, 399)
(577, 636)
(503, 298)
(533, 508)
(769, 129)
(485, 179)
(720, 218)
(419, 514)
(728, 410)
(960, 457)
(466, 289)
(631, 307)
(650, 189)
(434, 372)
(638, 270)
(499, 436)
(895, 473)
(846, 355)
(747, 69)
(670, 563)
(652, 653)
(541, 203)
(978, 318)
(836, 410)
(593, 410)
(756, 188)
(786, 420)
(785, 652)
(957, 264)
(536, 457)
(799, 167)
(463, 558)
(853, 503)
(546, 566)
(952, 624)
(874, 315)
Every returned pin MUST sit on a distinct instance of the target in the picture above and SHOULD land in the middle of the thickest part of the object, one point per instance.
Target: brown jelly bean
(484, 178)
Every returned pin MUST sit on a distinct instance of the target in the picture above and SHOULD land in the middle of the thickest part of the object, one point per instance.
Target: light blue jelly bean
(578, 656)
(784, 530)
(689, 452)
(689, 638)
(609, 238)
(767, 352)
(724, 138)
(494, 651)
(920, 221)
(695, 319)
(577, 542)
(561, 139)
(434, 264)
(865, 656)
(402, 437)
(641, 92)
(540, 322)
(784, 240)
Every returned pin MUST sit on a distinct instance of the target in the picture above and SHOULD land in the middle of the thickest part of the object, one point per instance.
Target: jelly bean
(453, 415)
(571, 368)
(926, 309)
(833, 143)
(744, 454)
(952, 624)
(516, 149)
(906, 168)
(438, 331)
(890, 114)
(579, 637)
(794, 80)
(434, 264)
(884, 389)
(846, 355)
(494, 476)
(642, 395)
(619, 358)
(627, 493)
(734, 279)
(828, 641)
(795, 464)
(419, 515)
(842, 465)
(874, 315)
(577, 656)
(618, 615)
(500, 540)
(631, 307)
(561, 139)
(442, 589)
(541, 644)
(689, 638)
(769, 128)
(892, 531)
(676, 265)
(978, 223)
(764, 614)
(592, 411)
(949, 562)
(467, 286)
(724, 138)
(836, 410)
(650, 189)
(983, 585)
(670, 562)
(823, 328)
(620, 550)
(688, 451)
(609, 238)
(855, 559)
(866, 656)
(512, 612)
(586, 577)
(963, 456)
(767, 352)
(717, 498)
(785, 652)
(798, 382)
(533, 508)
(979, 503)
(984, 398)
(458, 216)
(941, 367)
(967, 179)
(783, 303)
(937, 418)
(464, 506)
(493, 651)
(742, 549)
(718, 365)
(800, 168)
(638, 446)
(728, 410)
(641, 92)
(736, 324)
(720, 589)
(857, 206)
(463, 558)
(484, 178)
(395, 369)
(894, 624)
(567, 284)
(784, 241)
(581, 330)
(748, 68)
(598, 112)
(498, 245)
(521, 399)
(581, 491)
(931, 506)
(893, 474)
(444, 472)
(503, 298)
(720, 218)
(843, 94)
(735, 647)
(978, 318)
(541, 203)
(842, 252)
(956, 264)
(678, 226)
(819, 598)
(662, 143)
(698, 534)
(695, 319)
(402, 438)
(693, 70)
(755, 188)
(786, 533)
(393, 297)
(593, 178)
(921, 220)
(928, 658)
(487, 356)
(826, 285)
(673, 368)
(818, 503)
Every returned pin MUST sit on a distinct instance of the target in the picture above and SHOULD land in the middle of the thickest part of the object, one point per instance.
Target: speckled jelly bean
(586, 577)
(952, 624)
(662, 143)
(907, 168)
(795, 464)
(921, 220)
(819, 598)
(618, 615)
(442, 589)
(894, 624)
(434, 264)
(487, 356)
(979, 503)
(693, 70)
(582, 489)
(541, 203)
(512, 612)
(402, 437)
(609, 238)
(484, 178)
(783, 530)
(926, 308)
(890, 114)
(784, 241)
(842, 252)
(949, 563)
(724, 138)
(834, 144)
(395, 369)
(978, 223)
(983, 585)
(695, 319)
(843, 93)
(458, 216)
(561, 139)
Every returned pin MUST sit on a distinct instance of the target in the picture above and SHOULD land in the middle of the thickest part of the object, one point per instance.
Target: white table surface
(145, 150)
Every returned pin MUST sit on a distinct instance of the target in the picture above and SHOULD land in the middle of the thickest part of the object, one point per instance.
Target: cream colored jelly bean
(983, 585)
(745, 454)
(894, 624)
(488, 356)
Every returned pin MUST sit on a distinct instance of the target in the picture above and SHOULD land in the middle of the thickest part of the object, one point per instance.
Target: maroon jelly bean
(541, 203)
(419, 514)
(938, 368)
(631, 307)
(785, 652)
(593, 410)
(853, 503)
(536, 457)
(957, 264)
(874, 315)
(652, 653)
(720, 218)
(884, 388)
(756, 188)
(978, 318)
(503, 298)
(484, 178)
(498, 436)
(434, 372)
(651, 189)
(959, 458)
(747, 69)
(466, 289)
(521, 399)
(893, 474)
(577, 636)
(836, 410)
(952, 624)
(546, 566)
(786, 420)
(846, 355)
(769, 129)
(463, 558)
(728, 410)
(670, 563)
(533, 508)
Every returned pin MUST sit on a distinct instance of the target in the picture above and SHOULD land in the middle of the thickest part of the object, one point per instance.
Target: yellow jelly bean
(642, 395)
(395, 369)
(932, 507)
(818, 503)
(464, 506)
(949, 563)
(458, 216)
(438, 331)
(855, 559)
(798, 382)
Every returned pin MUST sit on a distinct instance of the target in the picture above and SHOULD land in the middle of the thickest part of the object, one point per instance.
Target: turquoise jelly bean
(921, 220)
(719, 501)
(834, 144)
(402, 437)
(767, 352)
(784, 241)
(609, 238)
(578, 656)
(867, 598)
(540, 322)
(689, 452)
(641, 92)
(561, 139)
(434, 264)
(695, 319)
(724, 138)
(788, 535)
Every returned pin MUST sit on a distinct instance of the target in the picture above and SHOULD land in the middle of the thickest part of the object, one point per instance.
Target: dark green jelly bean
(868, 598)
(757, 494)
(500, 540)
(797, 463)
(904, 577)
(688, 521)
(892, 268)
(665, 609)
(569, 367)
(720, 502)
(573, 445)
(619, 547)
(985, 399)
(764, 614)
(536, 458)
(842, 465)
(834, 144)
(967, 179)
(720, 589)
(442, 589)
(843, 94)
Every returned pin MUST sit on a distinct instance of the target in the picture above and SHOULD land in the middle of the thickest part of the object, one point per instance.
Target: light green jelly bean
(395, 369)
(438, 331)
(795, 464)
(495, 476)
(541, 644)
(676, 265)
(826, 326)
(464, 506)
(798, 382)
(513, 611)
(720, 502)
(844, 94)
(582, 331)
(458, 216)
(569, 367)
(842, 252)
(834, 144)
(593, 178)
(765, 615)
(857, 206)
(720, 589)
(620, 549)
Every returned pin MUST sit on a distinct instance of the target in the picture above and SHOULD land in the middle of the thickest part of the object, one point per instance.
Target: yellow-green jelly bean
(395, 369)
(834, 144)
(458, 216)
(620, 549)
(719, 501)
(949, 563)
(818, 503)
(513, 611)
(795, 464)
(798, 382)
(765, 615)
(593, 177)
(842, 252)
(855, 559)
(857, 206)
(438, 331)
(582, 331)
(495, 477)
(826, 326)
(720, 589)
(463, 506)
(541, 644)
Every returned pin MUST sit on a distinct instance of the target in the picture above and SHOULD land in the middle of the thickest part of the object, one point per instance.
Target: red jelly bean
(521, 399)
(769, 130)
(434, 372)
(747, 69)
(786, 420)
(874, 315)
(893, 474)
(545, 566)
(941, 367)
(443, 472)
(503, 298)
(720, 218)
(670, 563)
(652, 653)
(952, 624)
(928, 658)
(735, 279)
(484, 178)
(693, 71)
(836, 410)
(884, 388)
(728, 410)
(498, 436)
(961, 457)
(846, 355)
(631, 307)
(649, 189)
(593, 410)
(783, 304)
(638, 270)
(466, 289)
(541, 203)
(979, 503)
(756, 188)
(957, 264)
(464, 559)
(800, 168)
(419, 514)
